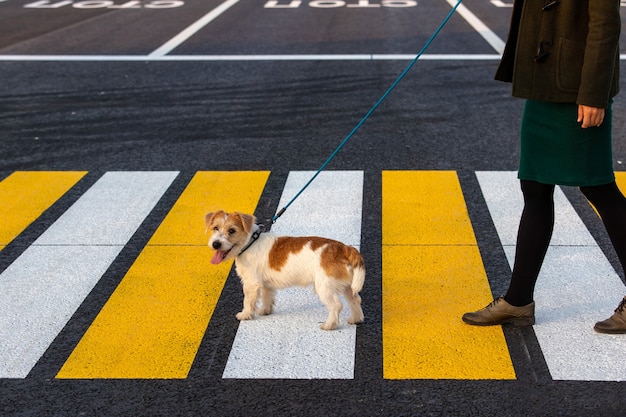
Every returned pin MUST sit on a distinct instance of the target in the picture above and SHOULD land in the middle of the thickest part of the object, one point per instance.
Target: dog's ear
(247, 221)
(208, 219)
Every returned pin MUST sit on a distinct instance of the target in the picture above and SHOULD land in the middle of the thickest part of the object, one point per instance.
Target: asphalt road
(106, 85)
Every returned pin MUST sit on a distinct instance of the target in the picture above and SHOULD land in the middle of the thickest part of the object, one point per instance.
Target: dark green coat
(563, 51)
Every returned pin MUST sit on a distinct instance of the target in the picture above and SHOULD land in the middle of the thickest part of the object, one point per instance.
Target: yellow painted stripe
(432, 274)
(153, 324)
(620, 178)
(25, 195)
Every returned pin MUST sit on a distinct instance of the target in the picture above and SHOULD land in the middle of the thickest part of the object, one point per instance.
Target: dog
(274, 262)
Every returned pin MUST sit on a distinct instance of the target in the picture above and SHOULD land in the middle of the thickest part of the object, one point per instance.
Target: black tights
(535, 232)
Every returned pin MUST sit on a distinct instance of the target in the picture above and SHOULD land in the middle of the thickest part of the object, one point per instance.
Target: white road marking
(482, 29)
(289, 344)
(295, 57)
(177, 40)
(41, 290)
(577, 286)
(500, 3)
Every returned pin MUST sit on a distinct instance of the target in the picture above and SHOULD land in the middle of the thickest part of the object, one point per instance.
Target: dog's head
(230, 232)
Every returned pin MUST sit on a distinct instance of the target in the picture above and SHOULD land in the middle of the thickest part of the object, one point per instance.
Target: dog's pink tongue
(218, 257)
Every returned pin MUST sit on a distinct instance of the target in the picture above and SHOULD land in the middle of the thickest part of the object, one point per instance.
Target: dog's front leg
(250, 295)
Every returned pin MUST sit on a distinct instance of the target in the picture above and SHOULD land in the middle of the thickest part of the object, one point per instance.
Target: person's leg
(533, 239)
(611, 206)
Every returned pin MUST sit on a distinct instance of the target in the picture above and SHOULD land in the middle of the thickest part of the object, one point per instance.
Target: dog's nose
(217, 244)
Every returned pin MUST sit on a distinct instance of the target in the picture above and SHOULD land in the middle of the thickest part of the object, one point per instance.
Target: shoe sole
(517, 322)
(609, 331)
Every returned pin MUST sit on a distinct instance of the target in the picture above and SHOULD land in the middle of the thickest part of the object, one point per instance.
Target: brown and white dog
(273, 262)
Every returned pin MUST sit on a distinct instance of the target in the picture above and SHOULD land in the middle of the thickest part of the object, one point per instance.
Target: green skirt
(556, 150)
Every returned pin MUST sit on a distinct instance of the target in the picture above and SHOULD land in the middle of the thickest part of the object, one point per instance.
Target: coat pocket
(570, 57)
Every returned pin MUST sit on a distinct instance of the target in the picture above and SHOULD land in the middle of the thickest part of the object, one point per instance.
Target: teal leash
(367, 115)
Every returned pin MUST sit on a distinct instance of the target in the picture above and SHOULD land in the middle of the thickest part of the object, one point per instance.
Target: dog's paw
(355, 321)
(356, 317)
(244, 316)
(328, 326)
(266, 311)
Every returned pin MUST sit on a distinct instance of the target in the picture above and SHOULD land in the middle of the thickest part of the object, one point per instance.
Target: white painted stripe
(577, 286)
(177, 40)
(41, 290)
(482, 29)
(296, 57)
(437, 57)
(312, 57)
(110, 211)
(500, 3)
(330, 207)
(289, 344)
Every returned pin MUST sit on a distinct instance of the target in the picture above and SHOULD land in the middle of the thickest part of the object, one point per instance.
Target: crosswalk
(152, 325)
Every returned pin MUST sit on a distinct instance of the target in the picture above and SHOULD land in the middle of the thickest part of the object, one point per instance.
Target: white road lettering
(331, 4)
(105, 4)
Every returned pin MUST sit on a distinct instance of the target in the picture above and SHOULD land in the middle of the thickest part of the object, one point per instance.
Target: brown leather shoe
(501, 312)
(616, 324)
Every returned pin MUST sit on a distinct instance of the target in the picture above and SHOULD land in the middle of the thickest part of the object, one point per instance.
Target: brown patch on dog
(336, 258)
(210, 218)
(245, 221)
(283, 246)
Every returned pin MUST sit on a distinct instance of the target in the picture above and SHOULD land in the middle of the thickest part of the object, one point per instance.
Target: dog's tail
(358, 270)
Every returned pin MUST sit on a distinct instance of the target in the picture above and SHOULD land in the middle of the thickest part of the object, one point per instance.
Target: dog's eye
(216, 228)
(231, 231)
